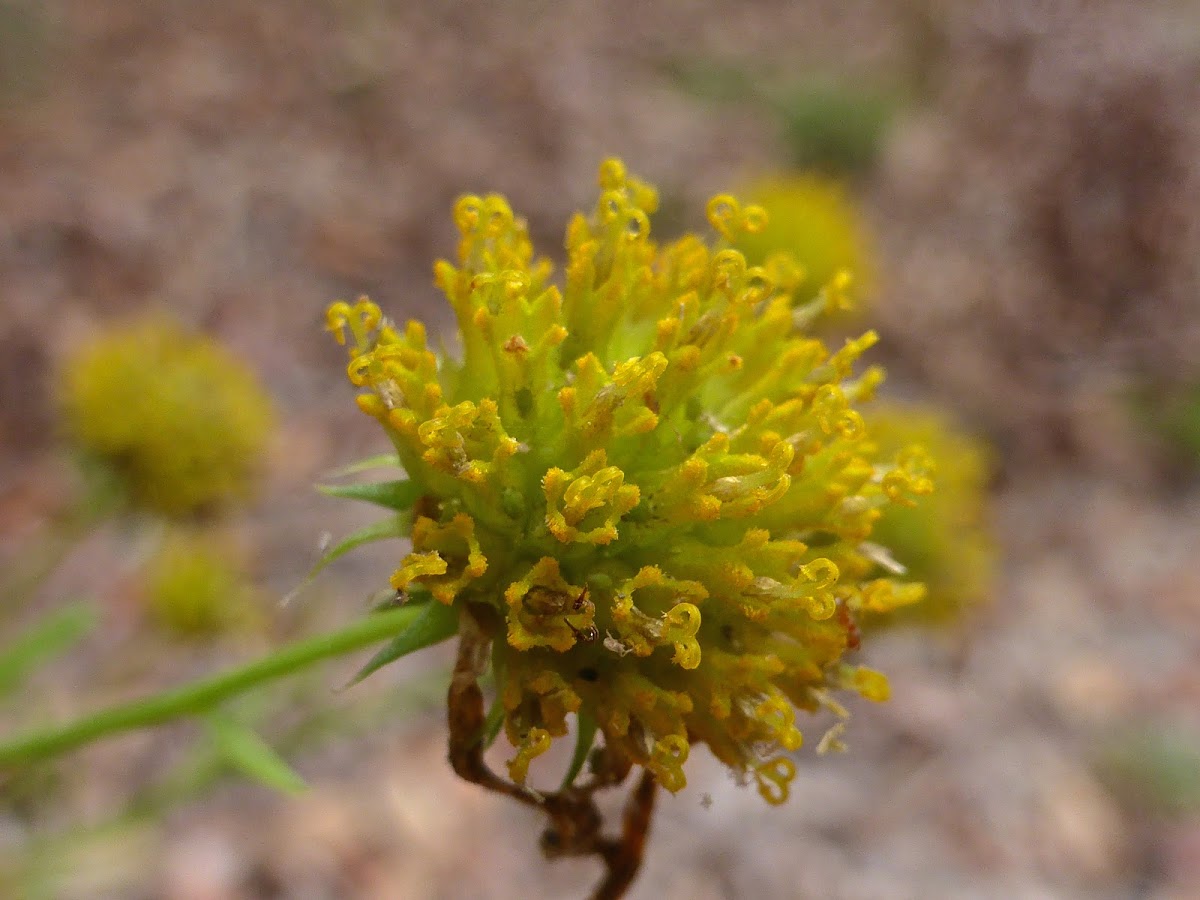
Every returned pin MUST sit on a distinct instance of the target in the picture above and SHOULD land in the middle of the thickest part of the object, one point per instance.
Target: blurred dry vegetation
(1031, 174)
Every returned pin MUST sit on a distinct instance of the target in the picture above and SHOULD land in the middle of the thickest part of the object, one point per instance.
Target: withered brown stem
(576, 825)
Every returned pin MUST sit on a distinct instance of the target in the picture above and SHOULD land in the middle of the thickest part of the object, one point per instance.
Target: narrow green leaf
(204, 694)
(490, 682)
(399, 495)
(382, 461)
(391, 527)
(252, 756)
(586, 737)
(436, 622)
(493, 723)
(52, 636)
(389, 598)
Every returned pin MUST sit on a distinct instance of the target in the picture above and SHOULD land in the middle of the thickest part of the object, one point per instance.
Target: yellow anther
(638, 226)
(612, 206)
(778, 716)
(415, 566)
(403, 420)
(414, 334)
(680, 625)
(336, 318)
(823, 572)
(837, 293)
(829, 405)
(593, 487)
(359, 369)
(445, 558)
(368, 313)
(754, 219)
(666, 762)
(516, 283)
(612, 175)
(759, 286)
(566, 399)
(724, 213)
(871, 684)
(884, 595)
(362, 318)
(821, 605)
(775, 778)
(851, 425)
(536, 742)
(644, 196)
(497, 215)
(730, 267)
(445, 277)
(666, 330)
(372, 405)
(687, 359)
(468, 210)
(784, 271)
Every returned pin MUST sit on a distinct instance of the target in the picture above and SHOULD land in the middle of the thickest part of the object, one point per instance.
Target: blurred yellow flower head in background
(944, 542)
(195, 587)
(813, 220)
(182, 421)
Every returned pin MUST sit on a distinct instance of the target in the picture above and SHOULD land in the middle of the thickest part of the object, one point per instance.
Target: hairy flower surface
(182, 421)
(649, 488)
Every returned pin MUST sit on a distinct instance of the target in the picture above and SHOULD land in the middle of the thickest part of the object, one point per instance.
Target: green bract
(643, 482)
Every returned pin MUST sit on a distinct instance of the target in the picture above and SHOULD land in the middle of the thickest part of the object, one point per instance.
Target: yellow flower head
(642, 479)
(944, 542)
(195, 588)
(181, 420)
(814, 221)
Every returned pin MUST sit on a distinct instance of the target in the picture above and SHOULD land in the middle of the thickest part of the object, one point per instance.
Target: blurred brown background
(1033, 183)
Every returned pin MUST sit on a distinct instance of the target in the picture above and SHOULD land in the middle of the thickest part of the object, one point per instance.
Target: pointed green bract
(435, 623)
(376, 531)
(395, 495)
(584, 739)
(381, 461)
(492, 724)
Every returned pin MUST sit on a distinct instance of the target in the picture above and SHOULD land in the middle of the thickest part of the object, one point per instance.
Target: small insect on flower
(540, 600)
(648, 448)
(853, 636)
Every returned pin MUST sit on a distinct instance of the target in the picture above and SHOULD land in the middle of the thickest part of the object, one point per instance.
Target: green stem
(202, 695)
